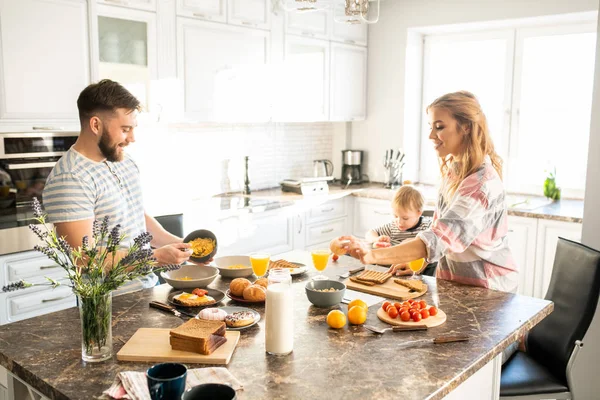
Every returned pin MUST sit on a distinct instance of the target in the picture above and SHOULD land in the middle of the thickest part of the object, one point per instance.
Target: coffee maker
(352, 167)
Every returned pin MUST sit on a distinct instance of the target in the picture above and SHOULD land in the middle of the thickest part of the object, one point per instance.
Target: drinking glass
(260, 263)
(320, 258)
(415, 266)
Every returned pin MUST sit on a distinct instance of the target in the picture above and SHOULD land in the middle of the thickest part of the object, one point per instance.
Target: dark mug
(166, 381)
(212, 391)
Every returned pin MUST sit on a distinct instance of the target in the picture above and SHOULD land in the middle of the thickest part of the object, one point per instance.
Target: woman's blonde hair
(409, 198)
(477, 142)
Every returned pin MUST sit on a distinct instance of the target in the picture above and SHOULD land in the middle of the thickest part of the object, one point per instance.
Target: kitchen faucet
(246, 179)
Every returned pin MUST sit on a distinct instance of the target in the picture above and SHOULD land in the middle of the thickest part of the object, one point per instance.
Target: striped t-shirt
(79, 189)
(397, 236)
(469, 233)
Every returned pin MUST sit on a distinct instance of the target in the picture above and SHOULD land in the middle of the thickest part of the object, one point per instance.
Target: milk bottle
(279, 308)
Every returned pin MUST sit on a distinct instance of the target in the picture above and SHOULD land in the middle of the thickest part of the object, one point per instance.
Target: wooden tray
(439, 319)
(152, 344)
(389, 290)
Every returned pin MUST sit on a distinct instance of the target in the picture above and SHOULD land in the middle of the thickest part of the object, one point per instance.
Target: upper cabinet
(348, 82)
(213, 10)
(224, 70)
(44, 59)
(312, 24)
(349, 33)
(126, 50)
(252, 13)
(149, 5)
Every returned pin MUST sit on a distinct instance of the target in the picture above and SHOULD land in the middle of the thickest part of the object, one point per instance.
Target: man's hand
(176, 253)
(399, 269)
(382, 241)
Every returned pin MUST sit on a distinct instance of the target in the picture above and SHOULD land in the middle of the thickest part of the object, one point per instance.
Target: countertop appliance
(322, 168)
(26, 159)
(307, 186)
(352, 167)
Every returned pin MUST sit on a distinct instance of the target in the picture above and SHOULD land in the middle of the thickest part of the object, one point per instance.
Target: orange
(358, 302)
(357, 315)
(336, 319)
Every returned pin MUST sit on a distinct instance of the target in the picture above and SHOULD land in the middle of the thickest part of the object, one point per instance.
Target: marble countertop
(351, 362)
(518, 205)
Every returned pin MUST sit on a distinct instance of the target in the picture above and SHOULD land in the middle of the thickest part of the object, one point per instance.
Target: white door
(252, 13)
(213, 10)
(522, 235)
(303, 88)
(149, 5)
(126, 50)
(315, 24)
(349, 33)
(45, 59)
(547, 239)
(348, 82)
(225, 72)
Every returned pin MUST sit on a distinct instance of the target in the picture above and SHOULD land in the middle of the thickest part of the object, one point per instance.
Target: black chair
(544, 371)
(172, 223)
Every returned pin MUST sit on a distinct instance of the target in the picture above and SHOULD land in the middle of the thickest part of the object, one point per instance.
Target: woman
(468, 235)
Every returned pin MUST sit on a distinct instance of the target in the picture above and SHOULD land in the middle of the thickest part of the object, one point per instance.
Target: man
(96, 178)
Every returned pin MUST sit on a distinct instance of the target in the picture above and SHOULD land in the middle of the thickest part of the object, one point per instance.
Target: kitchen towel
(132, 385)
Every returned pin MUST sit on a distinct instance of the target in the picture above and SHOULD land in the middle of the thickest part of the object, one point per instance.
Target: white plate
(298, 271)
(231, 310)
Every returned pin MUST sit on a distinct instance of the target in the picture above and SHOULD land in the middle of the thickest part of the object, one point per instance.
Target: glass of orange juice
(260, 263)
(320, 259)
(415, 266)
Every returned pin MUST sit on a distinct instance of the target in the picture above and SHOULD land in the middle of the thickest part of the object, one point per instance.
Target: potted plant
(551, 191)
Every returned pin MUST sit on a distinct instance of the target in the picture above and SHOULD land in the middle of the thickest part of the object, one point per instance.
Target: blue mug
(212, 391)
(166, 381)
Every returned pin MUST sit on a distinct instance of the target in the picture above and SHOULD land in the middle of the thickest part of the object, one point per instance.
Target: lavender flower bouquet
(93, 270)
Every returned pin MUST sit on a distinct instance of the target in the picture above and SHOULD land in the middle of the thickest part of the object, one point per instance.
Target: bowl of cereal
(234, 266)
(204, 245)
(325, 293)
(190, 276)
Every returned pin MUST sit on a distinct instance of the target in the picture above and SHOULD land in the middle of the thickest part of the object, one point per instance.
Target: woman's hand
(399, 269)
(175, 253)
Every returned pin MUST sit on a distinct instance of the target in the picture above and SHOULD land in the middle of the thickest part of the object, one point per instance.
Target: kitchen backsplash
(189, 161)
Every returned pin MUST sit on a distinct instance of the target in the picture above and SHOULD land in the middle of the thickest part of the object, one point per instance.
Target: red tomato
(411, 301)
(433, 311)
(398, 306)
(335, 257)
(416, 317)
(392, 312)
(385, 305)
(405, 316)
(424, 314)
(388, 307)
(422, 304)
(406, 304)
(413, 311)
(404, 309)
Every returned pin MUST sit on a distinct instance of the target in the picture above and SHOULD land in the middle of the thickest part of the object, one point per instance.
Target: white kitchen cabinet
(522, 240)
(349, 33)
(149, 5)
(224, 70)
(45, 60)
(348, 82)
(127, 48)
(212, 10)
(303, 85)
(548, 233)
(251, 13)
(315, 24)
(370, 214)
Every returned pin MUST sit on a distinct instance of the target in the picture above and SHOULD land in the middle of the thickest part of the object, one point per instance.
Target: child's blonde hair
(409, 198)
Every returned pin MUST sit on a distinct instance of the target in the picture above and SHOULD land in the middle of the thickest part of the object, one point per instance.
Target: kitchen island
(349, 363)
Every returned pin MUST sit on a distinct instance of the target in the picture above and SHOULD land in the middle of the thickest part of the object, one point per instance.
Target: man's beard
(111, 152)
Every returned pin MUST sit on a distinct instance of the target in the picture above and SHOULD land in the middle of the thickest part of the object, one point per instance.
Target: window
(535, 87)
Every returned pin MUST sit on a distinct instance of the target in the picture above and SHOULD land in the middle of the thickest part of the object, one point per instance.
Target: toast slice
(366, 283)
(374, 276)
(416, 286)
(281, 264)
(198, 335)
(206, 348)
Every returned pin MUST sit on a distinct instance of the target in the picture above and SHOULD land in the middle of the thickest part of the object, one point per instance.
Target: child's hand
(399, 269)
(382, 241)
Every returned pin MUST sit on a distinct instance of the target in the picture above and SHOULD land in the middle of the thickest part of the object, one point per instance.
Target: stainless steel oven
(26, 160)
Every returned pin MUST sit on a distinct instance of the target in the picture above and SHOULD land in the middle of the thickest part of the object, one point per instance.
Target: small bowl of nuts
(325, 293)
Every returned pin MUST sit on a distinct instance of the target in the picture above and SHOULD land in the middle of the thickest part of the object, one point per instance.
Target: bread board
(152, 344)
(389, 289)
(436, 320)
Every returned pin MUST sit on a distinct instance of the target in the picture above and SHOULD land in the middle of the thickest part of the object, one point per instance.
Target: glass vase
(96, 327)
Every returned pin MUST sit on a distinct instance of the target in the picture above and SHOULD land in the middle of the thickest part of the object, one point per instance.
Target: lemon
(336, 319)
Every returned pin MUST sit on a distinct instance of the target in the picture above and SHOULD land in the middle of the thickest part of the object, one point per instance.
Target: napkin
(132, 385)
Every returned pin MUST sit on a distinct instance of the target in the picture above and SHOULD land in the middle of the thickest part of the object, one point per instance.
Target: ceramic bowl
(325, 299)
(204, 234)
(201, 276)
(223, 264)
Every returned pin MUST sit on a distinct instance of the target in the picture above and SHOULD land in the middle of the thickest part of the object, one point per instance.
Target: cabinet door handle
(116, 1)
(510, 230)
(380, 213)
(349, 41)
(327, 230)
(47, 128)
(299, 224)
(48, 266)
(248, 23)
(328, 209)
(54, 299)
(202, 16)
(306, 33)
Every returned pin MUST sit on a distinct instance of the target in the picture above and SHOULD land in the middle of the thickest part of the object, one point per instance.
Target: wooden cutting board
(389, 290)
(437, 320)
(152, 344)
